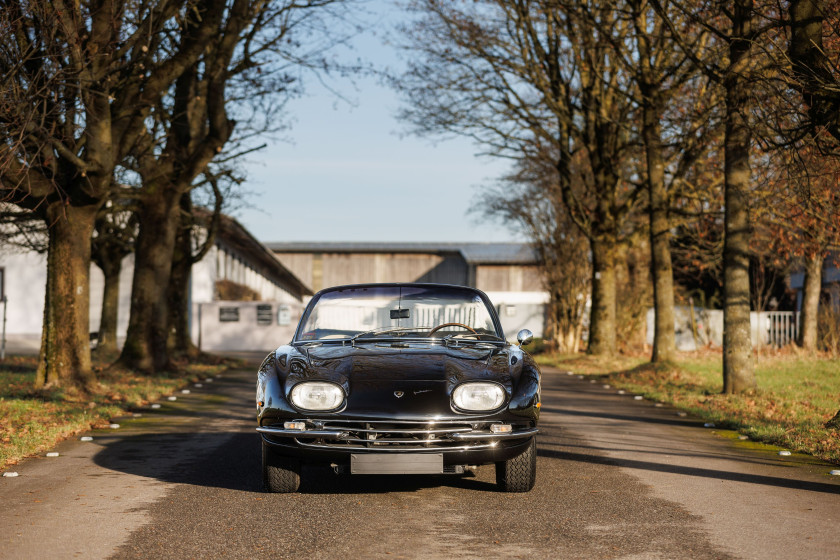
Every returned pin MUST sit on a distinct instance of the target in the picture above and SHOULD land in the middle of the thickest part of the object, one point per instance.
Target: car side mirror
(524, 337)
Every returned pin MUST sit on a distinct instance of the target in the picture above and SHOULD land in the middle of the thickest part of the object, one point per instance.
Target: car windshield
(387, 311)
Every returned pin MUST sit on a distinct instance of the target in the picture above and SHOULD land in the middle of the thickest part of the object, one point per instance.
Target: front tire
(280, 475)
(520, 473)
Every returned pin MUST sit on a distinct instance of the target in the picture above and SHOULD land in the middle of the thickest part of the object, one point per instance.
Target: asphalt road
(617, 478)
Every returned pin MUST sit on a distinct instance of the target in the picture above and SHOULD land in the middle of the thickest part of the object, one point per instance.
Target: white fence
(704, 327)
(774, 328)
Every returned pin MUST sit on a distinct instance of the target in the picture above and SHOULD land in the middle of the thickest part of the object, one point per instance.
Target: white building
(216, 325)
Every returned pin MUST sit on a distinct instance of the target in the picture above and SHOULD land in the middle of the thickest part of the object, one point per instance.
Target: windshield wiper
(355, 336)
(384, 330)
(468, 337)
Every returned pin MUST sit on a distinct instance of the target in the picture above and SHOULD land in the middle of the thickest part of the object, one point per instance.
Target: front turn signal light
(501, 428)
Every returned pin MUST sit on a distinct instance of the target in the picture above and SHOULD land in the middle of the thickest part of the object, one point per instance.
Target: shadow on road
(693, 471)
(610, 446)
(232, 461)
(624, 417)
(221, 460)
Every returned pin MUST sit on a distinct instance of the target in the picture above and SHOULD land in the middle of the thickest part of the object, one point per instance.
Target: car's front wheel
(520, 473)
(280, 474)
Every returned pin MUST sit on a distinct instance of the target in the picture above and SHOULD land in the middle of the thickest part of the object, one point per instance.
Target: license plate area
(396, 463)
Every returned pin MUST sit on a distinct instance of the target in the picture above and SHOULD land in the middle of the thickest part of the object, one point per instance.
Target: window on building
(228, 314)
(264, 314)
(284, 315)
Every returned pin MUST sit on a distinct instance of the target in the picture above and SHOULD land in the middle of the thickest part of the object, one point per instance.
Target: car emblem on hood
(399, 394)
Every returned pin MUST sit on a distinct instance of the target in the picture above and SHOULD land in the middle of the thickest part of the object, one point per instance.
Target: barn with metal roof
(508, 272)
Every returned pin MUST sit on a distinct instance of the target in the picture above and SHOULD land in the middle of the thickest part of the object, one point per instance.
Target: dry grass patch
(32, 422)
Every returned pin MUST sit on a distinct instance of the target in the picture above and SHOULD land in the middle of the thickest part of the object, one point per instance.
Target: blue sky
(348, 173)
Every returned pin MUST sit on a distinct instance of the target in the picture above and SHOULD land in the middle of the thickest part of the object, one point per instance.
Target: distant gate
(775, 328)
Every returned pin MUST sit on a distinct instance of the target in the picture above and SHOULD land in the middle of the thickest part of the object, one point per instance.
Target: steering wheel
(437, 328)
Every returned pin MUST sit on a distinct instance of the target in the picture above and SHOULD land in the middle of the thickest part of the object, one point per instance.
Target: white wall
(246, 334)
(26, 279)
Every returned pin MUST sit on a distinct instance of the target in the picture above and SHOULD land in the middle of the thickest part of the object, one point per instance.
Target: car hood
(415, 380)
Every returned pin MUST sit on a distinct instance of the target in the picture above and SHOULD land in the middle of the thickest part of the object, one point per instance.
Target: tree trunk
(811, 291)
(64, 359)
(145, 348)
(570, 340)
(107, 340)
(180, 341)
(575, 342)
(602, 312)
(738, 370)
(664, 337)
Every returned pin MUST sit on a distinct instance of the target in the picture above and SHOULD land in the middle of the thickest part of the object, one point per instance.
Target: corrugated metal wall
(508, 278)
(322, 270)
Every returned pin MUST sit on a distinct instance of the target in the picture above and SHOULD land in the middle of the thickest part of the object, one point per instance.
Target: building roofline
(234, 234)
(471, 252)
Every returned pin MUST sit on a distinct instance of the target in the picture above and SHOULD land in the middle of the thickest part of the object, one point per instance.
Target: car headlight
(478, 396)
(317, 395)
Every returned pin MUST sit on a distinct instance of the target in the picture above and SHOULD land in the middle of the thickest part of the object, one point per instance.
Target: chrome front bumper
(430, 435)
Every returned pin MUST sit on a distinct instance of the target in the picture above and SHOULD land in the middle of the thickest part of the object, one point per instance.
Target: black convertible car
(399, 379)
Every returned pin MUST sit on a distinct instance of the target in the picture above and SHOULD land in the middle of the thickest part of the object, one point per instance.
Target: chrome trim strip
(282, 432)
(398, 448)
(408, 431)
(472, 436)
(455, 422)
(395, 440)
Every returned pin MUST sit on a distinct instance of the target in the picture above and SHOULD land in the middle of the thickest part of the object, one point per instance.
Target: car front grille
(394, 436)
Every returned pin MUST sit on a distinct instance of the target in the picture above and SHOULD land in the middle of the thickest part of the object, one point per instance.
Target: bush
(537, 346)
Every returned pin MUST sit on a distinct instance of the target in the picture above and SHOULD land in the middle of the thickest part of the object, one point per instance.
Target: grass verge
(33, 422)
(794, 399)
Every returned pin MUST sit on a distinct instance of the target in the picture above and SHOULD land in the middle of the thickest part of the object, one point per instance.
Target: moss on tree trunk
(65, 350)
